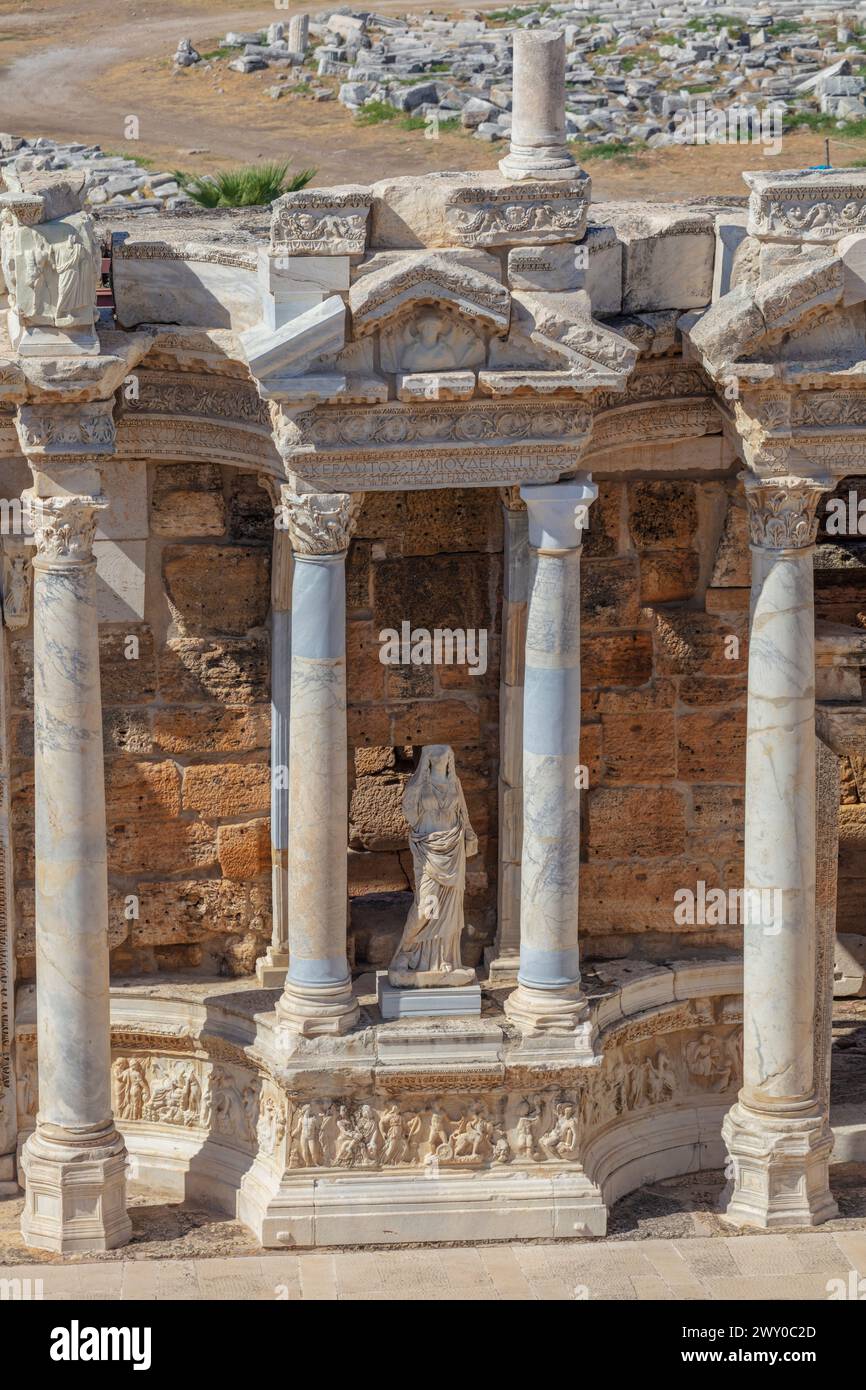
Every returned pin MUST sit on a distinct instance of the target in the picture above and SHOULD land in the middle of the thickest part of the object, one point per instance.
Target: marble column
(777, 1133)
(538, 146)
(272, 966)
(548, 998)
(75, 1161)
(504, 958)
(318, 993)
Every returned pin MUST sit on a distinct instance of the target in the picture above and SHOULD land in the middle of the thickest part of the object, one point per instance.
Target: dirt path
(77, 69)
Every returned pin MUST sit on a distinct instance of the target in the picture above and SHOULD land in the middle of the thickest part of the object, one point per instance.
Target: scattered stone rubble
(637, 70)
(109, 178)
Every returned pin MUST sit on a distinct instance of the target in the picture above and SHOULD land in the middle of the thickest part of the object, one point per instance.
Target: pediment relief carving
(407, 283)
(433, 339)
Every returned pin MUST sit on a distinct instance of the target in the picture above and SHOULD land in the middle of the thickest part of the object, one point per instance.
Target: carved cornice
(320, 523)
(783, 511)
(63, 527)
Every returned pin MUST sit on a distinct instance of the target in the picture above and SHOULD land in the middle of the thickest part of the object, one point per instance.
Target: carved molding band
(783, 511)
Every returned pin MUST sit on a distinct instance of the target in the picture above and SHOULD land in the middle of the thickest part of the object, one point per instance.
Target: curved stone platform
(429, 1130)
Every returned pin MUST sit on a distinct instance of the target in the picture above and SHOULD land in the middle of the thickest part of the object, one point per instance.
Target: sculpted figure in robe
(440, 838)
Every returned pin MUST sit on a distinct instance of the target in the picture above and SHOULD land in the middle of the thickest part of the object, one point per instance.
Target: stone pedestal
(75, 1162)
(549, 997)
(454, 1001)
(778, 1134)
(538, 147)
(318, 992)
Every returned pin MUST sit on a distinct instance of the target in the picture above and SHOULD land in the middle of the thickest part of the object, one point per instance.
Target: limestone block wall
(187, 721)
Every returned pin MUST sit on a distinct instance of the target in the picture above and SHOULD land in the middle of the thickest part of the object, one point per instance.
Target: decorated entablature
(784, 346)
(457, 331)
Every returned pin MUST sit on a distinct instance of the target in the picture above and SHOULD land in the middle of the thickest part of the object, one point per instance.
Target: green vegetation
(216, 53)
(375, 112)
(605, 149)
(256, 185)
(142, 160)
(781, 27)
(517, 12)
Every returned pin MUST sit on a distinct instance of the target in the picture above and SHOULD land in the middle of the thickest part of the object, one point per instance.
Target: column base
(562, 1012)
(502, 969)
(541, 162)
(75, 1198)
(272, 968)
(314, 1010)
(781, 1168)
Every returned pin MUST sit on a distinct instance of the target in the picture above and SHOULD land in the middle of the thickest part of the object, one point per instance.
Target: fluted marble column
(778, 1133)
(318, 993)
(272, 966)
(548, 998)
(75, 1161)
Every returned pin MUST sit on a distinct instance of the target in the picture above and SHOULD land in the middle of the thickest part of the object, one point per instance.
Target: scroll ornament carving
(52, 270)
(64, 527)
(783, 511)
(321, 523)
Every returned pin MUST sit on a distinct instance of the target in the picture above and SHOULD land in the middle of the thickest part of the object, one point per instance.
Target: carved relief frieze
(330, 221)
(87, 428)
(491, 214)
(179, 394)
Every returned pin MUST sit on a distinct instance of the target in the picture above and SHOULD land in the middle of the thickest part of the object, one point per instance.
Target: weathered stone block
(230, 672)
(636, 822)
(211, 730)
(223, 790)
(662, 515)
(625, 658)
(639, 747)
(375, 873)
(244, 850)
(237, 603)
(691, 643)
(609, 594)
(668, 577)
(143, 790)
(711, 747)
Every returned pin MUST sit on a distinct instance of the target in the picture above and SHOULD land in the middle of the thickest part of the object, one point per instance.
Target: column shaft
(777, 1133)
(318, 994)
(548, 997)
(75, 1161)
(272, 966)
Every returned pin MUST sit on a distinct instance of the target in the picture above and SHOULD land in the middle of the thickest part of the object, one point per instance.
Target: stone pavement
(780, 1267)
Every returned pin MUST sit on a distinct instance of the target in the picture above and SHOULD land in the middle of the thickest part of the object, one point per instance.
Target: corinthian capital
(63, 527)
(320, 523)
(783, 511)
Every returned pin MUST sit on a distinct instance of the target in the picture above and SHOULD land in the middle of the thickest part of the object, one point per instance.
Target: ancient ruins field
(94, 68)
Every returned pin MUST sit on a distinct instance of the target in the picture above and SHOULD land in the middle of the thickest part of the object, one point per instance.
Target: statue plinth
(458, 1000)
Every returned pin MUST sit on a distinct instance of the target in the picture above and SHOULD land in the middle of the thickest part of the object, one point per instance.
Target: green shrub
(256, 185)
